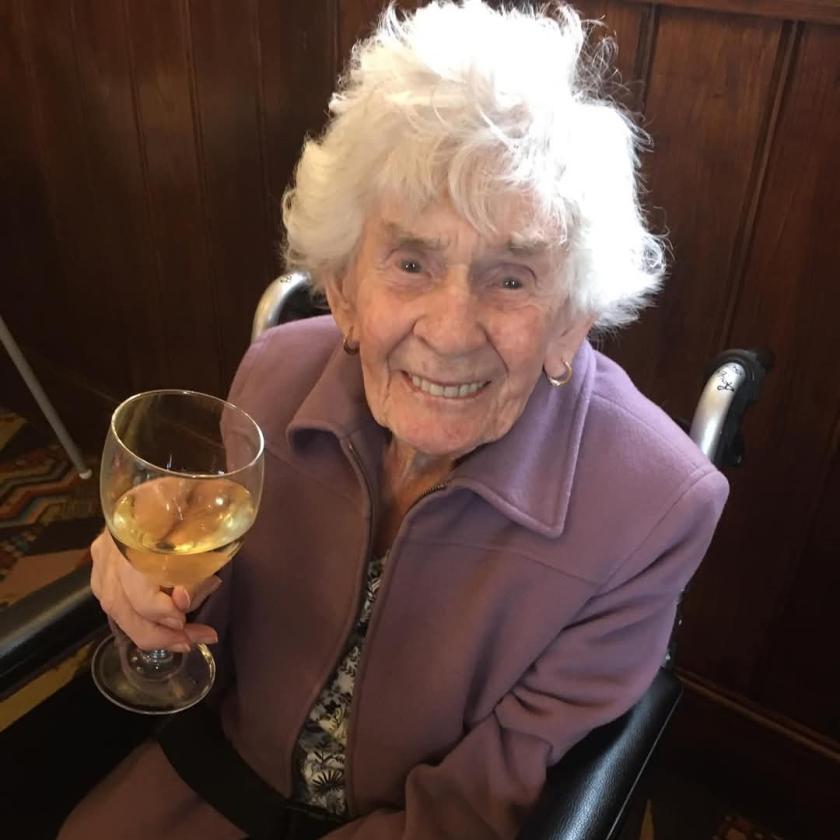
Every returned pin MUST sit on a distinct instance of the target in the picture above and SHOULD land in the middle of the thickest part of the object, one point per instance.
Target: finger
(114, 578)
(157, 506)
(98, 555)
(209, 503)
(105, 583)
(188, 600)
(146, 597)
(104, 555)
(181, 598)
(146, 634)
(203, 591)
(201, 634)
(95, 577)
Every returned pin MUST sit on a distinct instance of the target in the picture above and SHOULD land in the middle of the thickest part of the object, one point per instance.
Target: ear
(564, 345)
(341, 297)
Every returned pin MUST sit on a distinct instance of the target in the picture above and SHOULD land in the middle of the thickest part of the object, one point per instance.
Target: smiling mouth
(458, 391)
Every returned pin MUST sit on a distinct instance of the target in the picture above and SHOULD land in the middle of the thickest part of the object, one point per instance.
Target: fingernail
(186, 598)
(181, 647)
(174, 623)
(209, 639)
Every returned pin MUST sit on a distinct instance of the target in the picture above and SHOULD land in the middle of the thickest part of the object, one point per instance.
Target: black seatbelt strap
(196, 746)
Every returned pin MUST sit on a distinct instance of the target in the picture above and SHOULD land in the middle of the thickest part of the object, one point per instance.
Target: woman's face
(453, 329)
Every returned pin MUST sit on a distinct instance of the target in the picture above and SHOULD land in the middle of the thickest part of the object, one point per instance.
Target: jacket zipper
(433, 489)
(387, 574)
(357, 463)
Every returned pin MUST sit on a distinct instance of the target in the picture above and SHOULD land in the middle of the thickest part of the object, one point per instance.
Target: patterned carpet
(48, 515)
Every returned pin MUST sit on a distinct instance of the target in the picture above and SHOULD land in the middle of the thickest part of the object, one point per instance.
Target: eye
(512, 283)
(410, 266)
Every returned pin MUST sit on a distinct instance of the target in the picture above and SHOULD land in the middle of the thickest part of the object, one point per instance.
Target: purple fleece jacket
(525, 603)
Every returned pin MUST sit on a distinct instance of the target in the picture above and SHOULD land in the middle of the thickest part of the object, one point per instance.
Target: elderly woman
(474, 530)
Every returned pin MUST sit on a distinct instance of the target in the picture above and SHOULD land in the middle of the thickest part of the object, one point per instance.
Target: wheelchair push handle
(733, 383)
(287, 298)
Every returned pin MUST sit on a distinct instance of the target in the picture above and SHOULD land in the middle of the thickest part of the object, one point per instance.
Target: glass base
(185, 679)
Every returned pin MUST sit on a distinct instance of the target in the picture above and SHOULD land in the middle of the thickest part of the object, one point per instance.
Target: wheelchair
(59, 749)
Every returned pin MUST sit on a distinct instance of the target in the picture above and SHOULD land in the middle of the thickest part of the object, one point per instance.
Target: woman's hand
(149, 617)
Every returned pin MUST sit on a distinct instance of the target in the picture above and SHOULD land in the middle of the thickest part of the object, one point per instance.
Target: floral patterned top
(321, 746)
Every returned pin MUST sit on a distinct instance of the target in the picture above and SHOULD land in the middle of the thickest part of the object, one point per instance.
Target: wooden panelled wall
(145, 147)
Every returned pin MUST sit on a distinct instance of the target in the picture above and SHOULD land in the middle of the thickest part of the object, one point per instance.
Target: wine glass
(180, 484)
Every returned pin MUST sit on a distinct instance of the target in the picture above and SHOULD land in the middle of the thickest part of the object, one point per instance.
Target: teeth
(446, 391)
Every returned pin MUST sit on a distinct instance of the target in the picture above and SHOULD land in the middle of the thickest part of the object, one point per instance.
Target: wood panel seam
(268, 215)
(786, 52)
(38, 129)
(645, 53)
(207, 223)
(336, 37)
(163, 358)
(84, 110)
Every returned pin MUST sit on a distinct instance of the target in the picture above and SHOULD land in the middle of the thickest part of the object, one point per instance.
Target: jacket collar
(527, 475)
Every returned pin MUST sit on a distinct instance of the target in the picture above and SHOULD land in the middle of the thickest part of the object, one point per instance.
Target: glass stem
(156, 660)
(152, 665)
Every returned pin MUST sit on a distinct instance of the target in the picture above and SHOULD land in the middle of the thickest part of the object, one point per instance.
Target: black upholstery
(45, 626)
(589, 794)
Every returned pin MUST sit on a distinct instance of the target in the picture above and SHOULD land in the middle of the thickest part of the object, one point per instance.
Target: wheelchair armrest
(46, 625)
(587, 794)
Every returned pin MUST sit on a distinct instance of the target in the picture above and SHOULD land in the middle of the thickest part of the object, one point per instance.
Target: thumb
(202, 591)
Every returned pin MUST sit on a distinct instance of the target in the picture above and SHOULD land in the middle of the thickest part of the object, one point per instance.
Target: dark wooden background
(143, 151)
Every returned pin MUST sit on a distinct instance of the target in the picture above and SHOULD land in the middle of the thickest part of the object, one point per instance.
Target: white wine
(179, 531)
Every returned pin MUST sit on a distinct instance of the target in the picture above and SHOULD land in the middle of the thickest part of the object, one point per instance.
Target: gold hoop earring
(349, 349)
(560, 381)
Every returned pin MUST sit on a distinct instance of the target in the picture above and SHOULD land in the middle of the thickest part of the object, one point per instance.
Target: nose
(450, 322)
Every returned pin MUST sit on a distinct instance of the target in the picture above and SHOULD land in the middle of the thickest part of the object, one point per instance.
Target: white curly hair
(479, 105)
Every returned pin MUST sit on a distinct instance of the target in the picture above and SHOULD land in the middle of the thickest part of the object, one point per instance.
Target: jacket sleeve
(596, 669)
